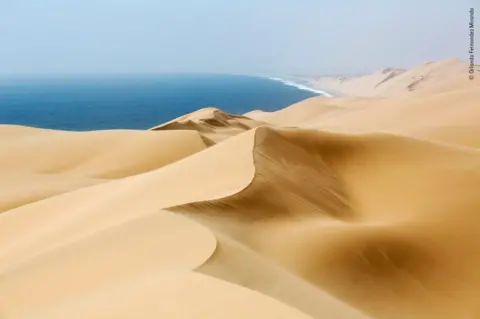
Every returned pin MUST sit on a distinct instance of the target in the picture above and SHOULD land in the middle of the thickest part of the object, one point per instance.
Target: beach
(357, 205)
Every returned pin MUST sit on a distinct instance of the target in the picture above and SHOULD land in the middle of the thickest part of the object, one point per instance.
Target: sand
(38, 164)
(352, 207)
(212, 124)
(441, 75)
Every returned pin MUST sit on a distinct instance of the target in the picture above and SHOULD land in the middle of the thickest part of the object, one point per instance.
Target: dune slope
(37, 164)
(448, 117)
(157, 243)
(392, 245)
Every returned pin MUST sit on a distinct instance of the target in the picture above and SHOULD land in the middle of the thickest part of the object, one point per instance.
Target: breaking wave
(301, 86)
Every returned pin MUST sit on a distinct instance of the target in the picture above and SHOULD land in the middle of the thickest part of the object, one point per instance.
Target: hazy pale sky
(242, 36)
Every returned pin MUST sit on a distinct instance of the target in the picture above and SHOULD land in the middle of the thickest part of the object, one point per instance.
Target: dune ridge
(211, 123)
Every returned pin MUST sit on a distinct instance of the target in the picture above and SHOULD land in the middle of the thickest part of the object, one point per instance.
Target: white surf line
(301, 86)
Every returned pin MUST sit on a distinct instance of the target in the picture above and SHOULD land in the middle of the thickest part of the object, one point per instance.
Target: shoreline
(302, 86)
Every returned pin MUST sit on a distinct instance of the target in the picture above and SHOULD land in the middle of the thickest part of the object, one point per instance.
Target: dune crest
(278, 161)
(211, 123)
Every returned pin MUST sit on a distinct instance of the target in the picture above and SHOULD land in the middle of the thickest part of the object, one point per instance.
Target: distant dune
(391, 81)
(342, 208)
(211, 123)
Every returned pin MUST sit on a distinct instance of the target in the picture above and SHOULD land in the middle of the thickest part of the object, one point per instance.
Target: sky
(278, 37)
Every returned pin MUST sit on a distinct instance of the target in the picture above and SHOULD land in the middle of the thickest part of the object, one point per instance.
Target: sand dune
(449, 117)
(388, 230)
(367, 85)
(296, 114)
(162, 242)
(37, 163)
(387, 82)
(211, 123)
(71, 216)
(345, 208)
(93, 220)
(174, 295)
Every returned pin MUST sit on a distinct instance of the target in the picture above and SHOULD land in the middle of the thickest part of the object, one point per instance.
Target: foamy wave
(301, 86)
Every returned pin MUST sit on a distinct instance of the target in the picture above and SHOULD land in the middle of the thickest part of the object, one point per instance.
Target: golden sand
(345, 208)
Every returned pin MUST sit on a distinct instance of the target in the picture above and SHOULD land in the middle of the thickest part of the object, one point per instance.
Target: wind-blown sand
(330, 208)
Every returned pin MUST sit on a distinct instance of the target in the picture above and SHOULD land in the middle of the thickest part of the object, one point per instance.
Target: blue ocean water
(135, 102)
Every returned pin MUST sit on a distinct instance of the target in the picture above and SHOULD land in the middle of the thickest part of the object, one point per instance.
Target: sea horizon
(87, 101)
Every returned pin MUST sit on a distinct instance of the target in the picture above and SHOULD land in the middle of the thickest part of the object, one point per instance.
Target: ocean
(137, 102)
